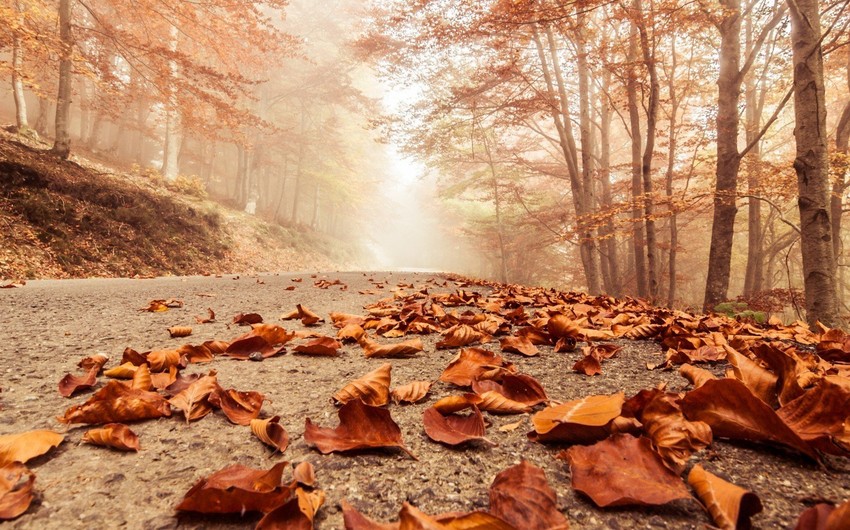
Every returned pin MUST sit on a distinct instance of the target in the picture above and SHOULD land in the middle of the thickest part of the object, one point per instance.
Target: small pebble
(256, 357)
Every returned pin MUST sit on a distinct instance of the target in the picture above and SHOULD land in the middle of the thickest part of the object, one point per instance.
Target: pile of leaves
(785, 386)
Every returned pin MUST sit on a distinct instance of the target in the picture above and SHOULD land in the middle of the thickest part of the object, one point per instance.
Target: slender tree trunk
(671, 166)
(638, 242)
(299, 166)
(812, 164)
(172, 114)
(754, 277)
(648, 51)
(500, 234)
(728, 159)
(41, 121)
(842, 139)
(17, 74)
(62, 143)
(315, 217)
(615, 282)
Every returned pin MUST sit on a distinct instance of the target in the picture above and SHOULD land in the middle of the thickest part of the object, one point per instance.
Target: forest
(689, 153)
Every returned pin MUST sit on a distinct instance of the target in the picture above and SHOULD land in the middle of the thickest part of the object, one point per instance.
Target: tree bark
(171, 147)
(62, 143)
(728, 159)
(638, 242)
(17, 73)
(812, 164)
(614, 285)
(836, 206)
(671, 163)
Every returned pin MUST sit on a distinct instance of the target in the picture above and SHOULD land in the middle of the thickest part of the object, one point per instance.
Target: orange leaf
(354, 520)
(623, 471)
(471, 364)
(697, 376)
(760, 381)
(239, 407)
(521, 496)
(238, 489)
(496, 403)
(207, 319)
(96, 360)
(162, 360)
(588, 365)
(673, 437)
(115, 435)
(360, 426)
(461, 335)
(179, 331)
(454, 429)
(581, 421)
(268, 339)
(305, 474)
(819, 415)
(122, 371)
(322, 346)
(350, 333)
(296, 514)
(118, 403)
(411, 392)
(562, 327)
(373, 388)
(271, 432)
(408, 348)
(194, 400)
(23, 446)
(71, 383)
(734, 412)
(243, 319)
(519, 345)
(517, 387)
(15, 490)
(161, 380)
(730, 506)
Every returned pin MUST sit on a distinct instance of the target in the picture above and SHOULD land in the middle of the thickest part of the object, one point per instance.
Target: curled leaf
(730, 506)
(473, 364)
(519, 345)
(268, 339)
(179, 331)
(516, 387)
(71, 383)
(118, 403)
(24, 446)
(305, 474)
(16, 493)
(461, 335)
(193, 401)
(122, 371)
(411, 392)
(454, 429)
(360, 426)
(697, 376)
(115, 435)
(496, 403)
(584, 420)
(239, 407)
(96, 360)
(238, 489)
(271, 433)
(373, 388)
(408, 348)
(321, 346)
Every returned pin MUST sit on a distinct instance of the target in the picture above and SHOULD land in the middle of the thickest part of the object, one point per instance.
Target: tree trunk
(614, 286)
(728, 159)
(638, 243)
(754, 277)
(62, 143)
(671, 163)
(812, 164)
(842, 139)
(17, 74)
(648, 51)
(172, 115)
(497, 203)
(41, 121)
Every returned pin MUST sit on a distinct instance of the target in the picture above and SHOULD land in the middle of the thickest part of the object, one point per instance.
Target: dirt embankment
(72, 219)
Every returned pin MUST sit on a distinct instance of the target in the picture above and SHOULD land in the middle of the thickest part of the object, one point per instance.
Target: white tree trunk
(17, 75)
(172, 116)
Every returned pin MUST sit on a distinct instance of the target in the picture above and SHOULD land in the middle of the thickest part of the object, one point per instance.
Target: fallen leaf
(519, 345)
(411, 392)
(517, 387)
(818, 416)
(16, 493)
(674, 437)
(730, 506)
(360, 426)
(354, 520)
(24, 446)
(734, 412)
(97, 360)
(816, 517)
(697, 376)
(238, 489)
(759, 380)
(308, 318)
(585, 420)
(271, 433)
(373, 388)
(208, 319)
(179, 331)
(118, 403)
(122, 371)
(239, 407)
(162, 360)
(115, 435)
(562, 327)
(193, 401)
(351, 333)
(243, 319)
(471, 364)
(408, 348)
(452, 404)
(521, 496)
(305, 474)
(623, 471)
(321, 346)
(296, 514)
(510, 427)
(454, 429)
(71, 383)
(268, 339)
(588, 365)
(142, 379)
(496, 403)
(460, 335)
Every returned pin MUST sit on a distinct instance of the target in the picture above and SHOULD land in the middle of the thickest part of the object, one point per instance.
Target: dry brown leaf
(408, 348)
(243, 319)
(495, 403)
(819, 416)
(585, 420)
(158, 306)
(760, 381)
(521, 496)
(118, 403)
(321, 346)
(730, 506)
(239, 407)
(623, 471)
(271, 433)
(562, 327)
(460, 335)
(97, 360)
(517, 387)
(162, 360)
(351, 333)
(122, 371)
(360, 426)
(16, 493)
(411, 392)
(673, 437)
(194, 400)
(142, 379)
(354, 520)
(268, 339)
(451, 404)
(162, 380)
(473, 364)
(305, 474)
(455, 429)
(588, 365)
(71, 383)
(296, 514)
(115, 435)
(208, 319)
(24, 446)
(519, 345)
(373, 388)
(238, 489)
(697, 376)
(734, 412)
(179, 331)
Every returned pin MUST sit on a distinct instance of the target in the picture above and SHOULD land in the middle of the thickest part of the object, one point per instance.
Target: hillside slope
(71, 219)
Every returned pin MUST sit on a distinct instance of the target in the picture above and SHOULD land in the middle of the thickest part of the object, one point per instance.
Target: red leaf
(238, 489)
(360, 426)
(521, 496)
